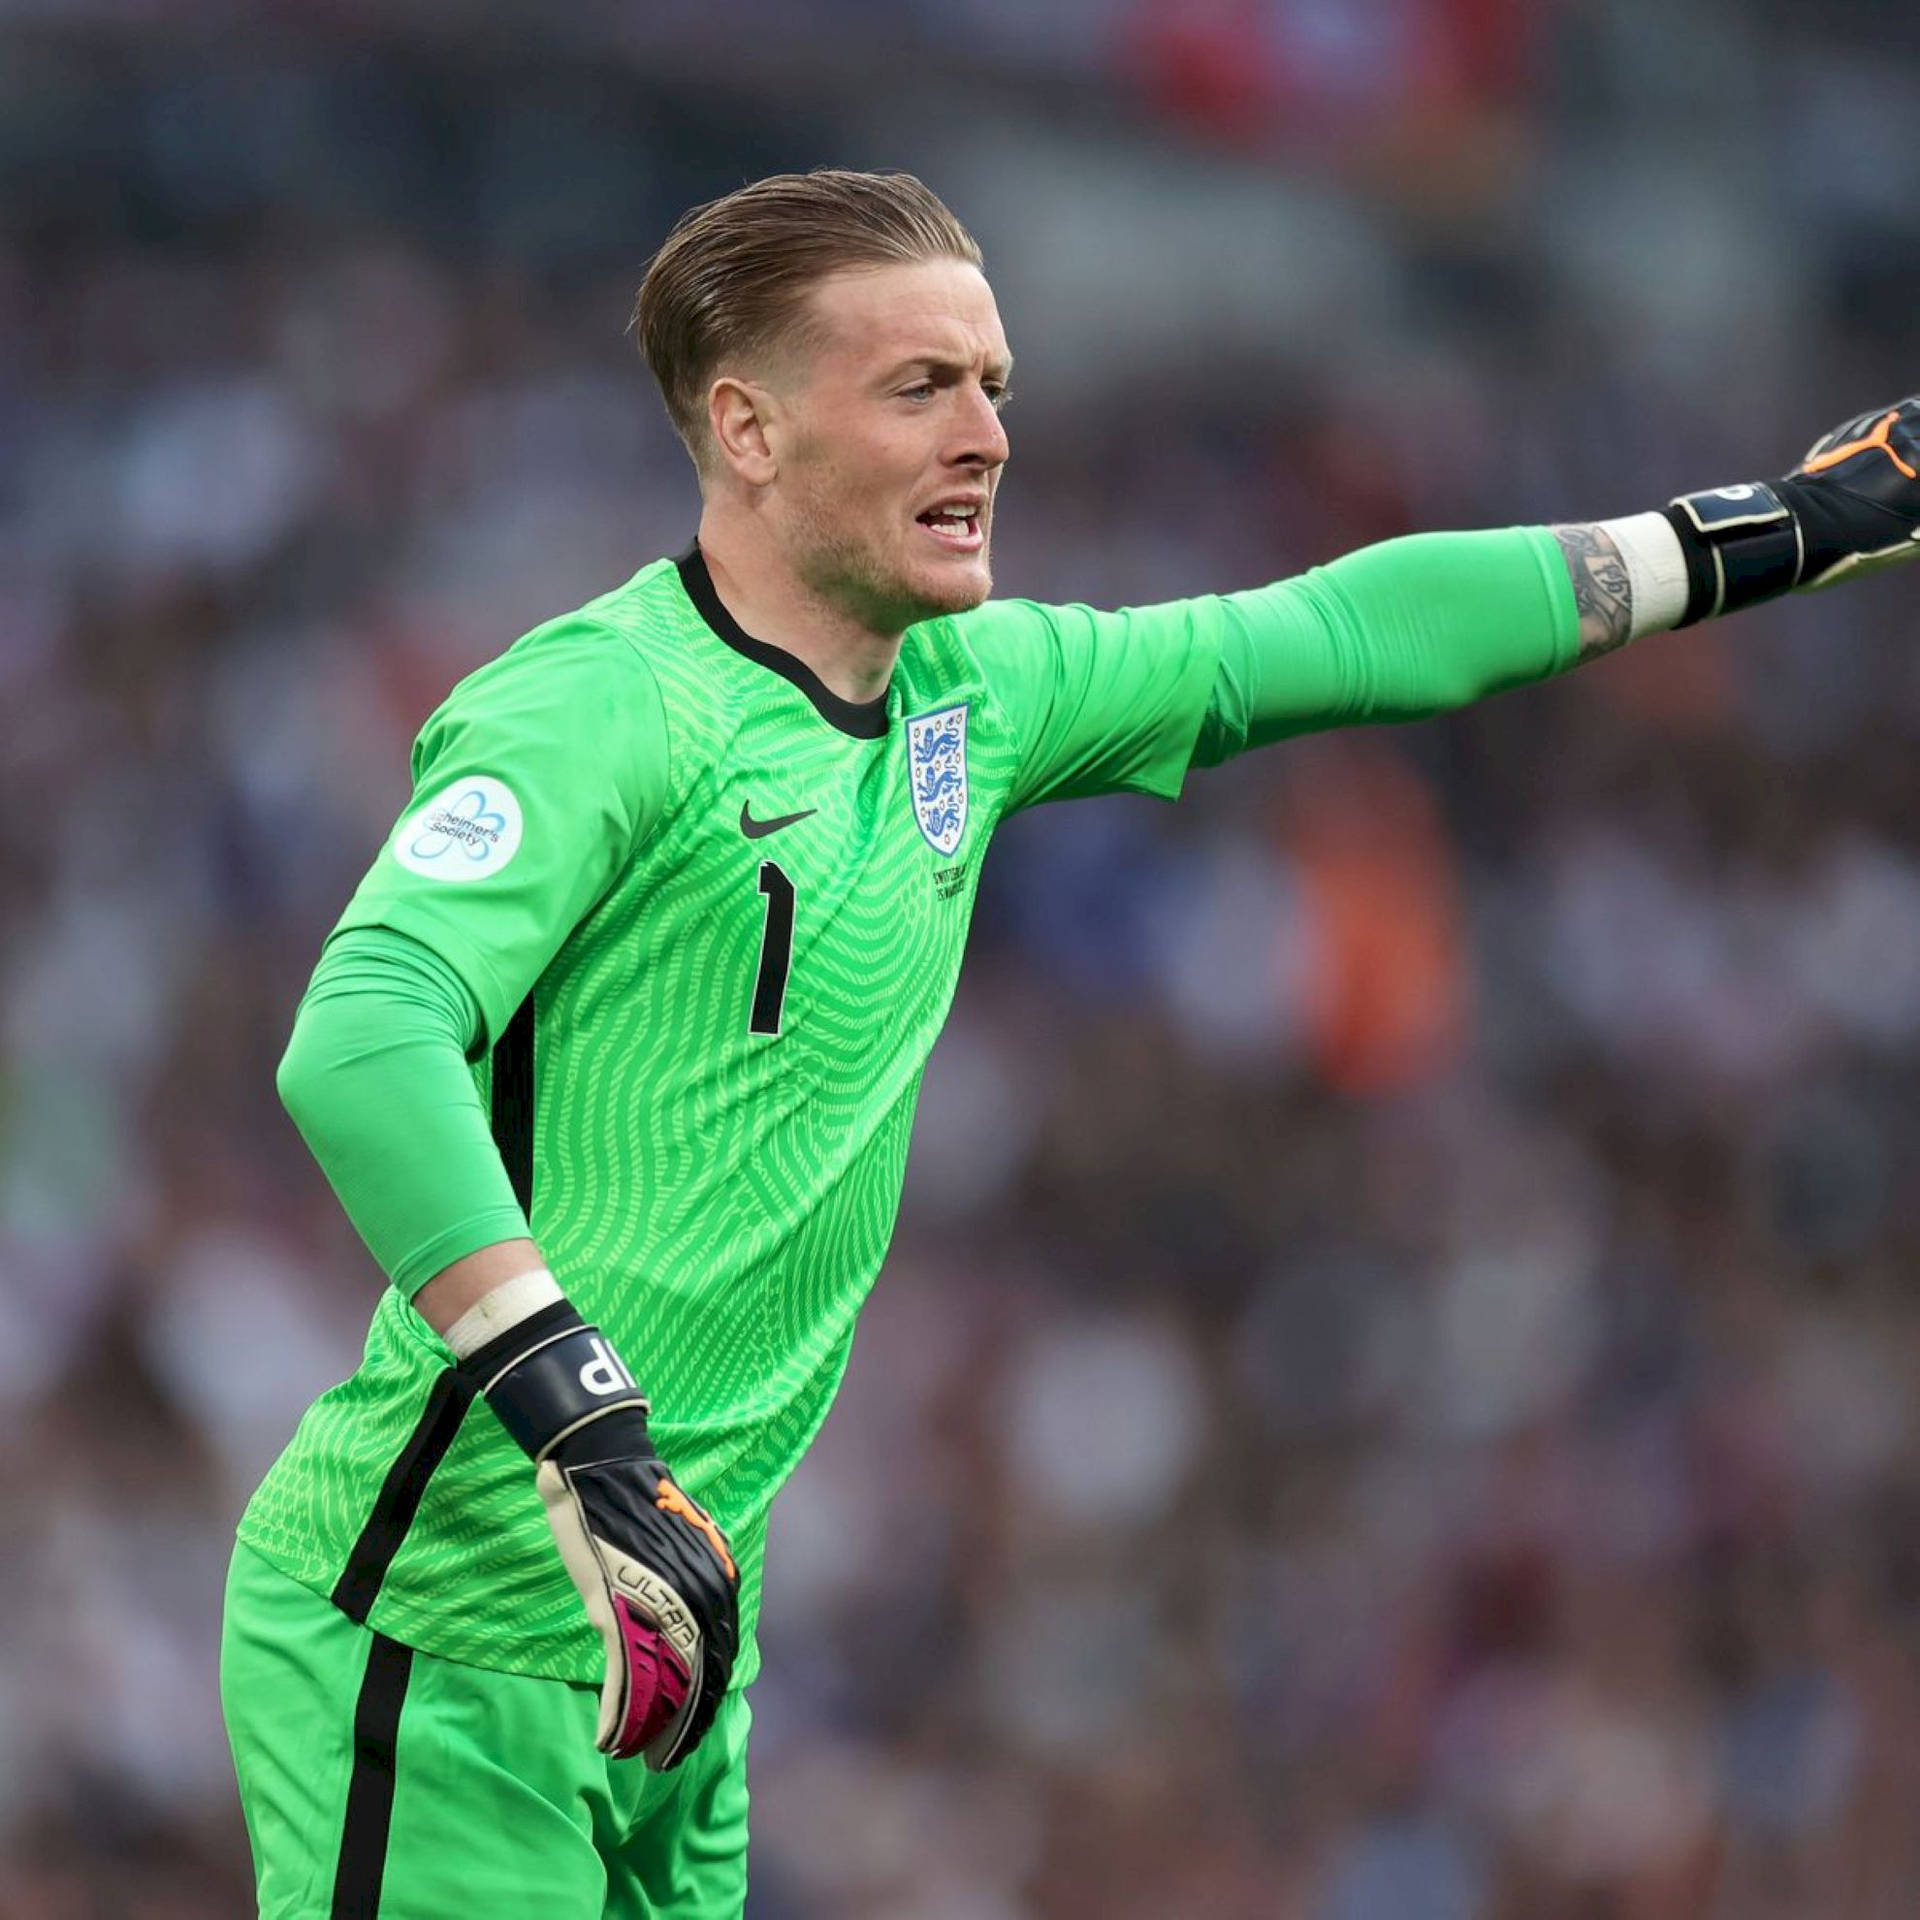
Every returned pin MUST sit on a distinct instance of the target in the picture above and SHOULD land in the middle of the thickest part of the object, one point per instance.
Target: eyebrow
(945, 363)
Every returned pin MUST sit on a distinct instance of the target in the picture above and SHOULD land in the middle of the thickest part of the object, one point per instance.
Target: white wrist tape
(1656, 568)
(506, 1306)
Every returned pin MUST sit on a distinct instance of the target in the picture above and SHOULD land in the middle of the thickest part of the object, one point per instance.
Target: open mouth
(956, 526)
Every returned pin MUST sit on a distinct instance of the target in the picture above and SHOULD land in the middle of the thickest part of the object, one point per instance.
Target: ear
(739, 414)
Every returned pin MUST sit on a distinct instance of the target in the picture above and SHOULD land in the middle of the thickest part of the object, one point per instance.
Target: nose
(983, 437)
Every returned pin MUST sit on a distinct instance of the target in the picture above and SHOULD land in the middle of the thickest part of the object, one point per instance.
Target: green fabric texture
(377, 1079)
(1398, 631)
(718, 1198)
(501, 1804)
(1394, 632)
(570, 718)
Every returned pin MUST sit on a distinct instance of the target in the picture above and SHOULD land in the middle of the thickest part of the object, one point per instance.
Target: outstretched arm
(1101, 702)
(1414, 627)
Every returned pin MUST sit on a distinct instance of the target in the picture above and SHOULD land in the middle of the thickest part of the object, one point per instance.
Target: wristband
(550, 1375)
(1656, 564)
(506, 1306)
(1742, 545)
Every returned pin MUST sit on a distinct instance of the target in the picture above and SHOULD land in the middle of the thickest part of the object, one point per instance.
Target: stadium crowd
(1393, 1396)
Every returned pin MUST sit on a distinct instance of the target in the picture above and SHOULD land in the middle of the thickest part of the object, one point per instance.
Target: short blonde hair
(732, 277)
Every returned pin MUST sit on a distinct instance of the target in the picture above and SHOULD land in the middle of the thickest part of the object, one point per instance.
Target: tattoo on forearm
(1602, 588)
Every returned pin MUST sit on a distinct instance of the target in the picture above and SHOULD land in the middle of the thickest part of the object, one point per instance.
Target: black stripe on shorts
(376, 1733)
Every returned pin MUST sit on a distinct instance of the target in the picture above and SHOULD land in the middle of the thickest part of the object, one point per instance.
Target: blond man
(613, 1055)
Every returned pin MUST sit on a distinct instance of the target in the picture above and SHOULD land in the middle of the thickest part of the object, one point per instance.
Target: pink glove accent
(657, 1682)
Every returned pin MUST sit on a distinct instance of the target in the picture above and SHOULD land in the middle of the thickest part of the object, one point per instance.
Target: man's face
(889, 443)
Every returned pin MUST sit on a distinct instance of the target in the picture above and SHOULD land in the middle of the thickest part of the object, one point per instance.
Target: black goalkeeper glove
(1851, 505)
(657, 1575)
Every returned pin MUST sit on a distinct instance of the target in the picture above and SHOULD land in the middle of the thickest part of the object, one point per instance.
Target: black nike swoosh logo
(758, 829)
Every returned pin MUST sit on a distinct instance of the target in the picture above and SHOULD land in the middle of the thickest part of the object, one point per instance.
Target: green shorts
(381, 1783)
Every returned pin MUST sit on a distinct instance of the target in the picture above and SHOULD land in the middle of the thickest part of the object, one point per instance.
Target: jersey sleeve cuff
(415, 1268)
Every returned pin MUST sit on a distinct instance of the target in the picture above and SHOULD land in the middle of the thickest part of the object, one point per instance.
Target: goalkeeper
(612, 1056)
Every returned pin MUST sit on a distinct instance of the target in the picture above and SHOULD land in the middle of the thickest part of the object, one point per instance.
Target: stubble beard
(852, 574)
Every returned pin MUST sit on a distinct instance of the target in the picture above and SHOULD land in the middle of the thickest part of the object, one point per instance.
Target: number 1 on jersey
(776, 949)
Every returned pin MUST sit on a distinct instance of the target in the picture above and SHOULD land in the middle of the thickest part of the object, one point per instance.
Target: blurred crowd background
(1394, 1394)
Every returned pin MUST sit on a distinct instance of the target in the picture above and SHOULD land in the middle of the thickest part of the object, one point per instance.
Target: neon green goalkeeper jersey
(713, 916)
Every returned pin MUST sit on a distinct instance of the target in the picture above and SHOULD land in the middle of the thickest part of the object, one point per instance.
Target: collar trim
(863, 719)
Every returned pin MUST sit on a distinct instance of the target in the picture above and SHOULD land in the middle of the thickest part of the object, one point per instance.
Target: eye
(920, 390)
(998, 395)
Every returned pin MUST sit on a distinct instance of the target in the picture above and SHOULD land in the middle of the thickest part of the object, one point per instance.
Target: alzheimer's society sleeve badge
(937, 775)
(466, 832)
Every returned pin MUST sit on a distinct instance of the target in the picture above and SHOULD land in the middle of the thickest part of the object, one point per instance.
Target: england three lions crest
(937, 775)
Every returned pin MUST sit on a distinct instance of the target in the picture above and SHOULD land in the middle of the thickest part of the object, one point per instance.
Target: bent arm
(562, 736)
(376, 1078)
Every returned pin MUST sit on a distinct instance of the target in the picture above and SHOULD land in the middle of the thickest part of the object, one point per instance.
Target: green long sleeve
(1398, 631)
(376, 1077)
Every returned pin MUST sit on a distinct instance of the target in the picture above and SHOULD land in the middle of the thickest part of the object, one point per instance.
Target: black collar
(864, 719)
